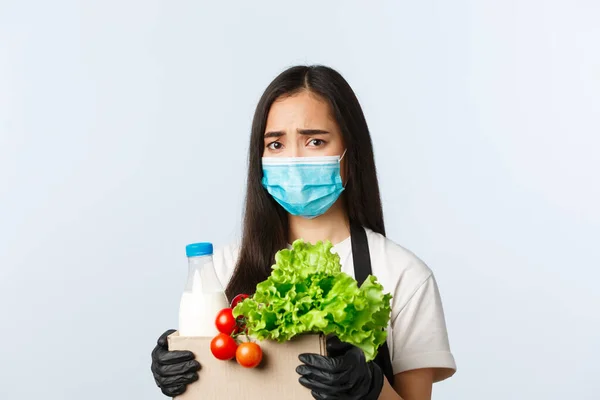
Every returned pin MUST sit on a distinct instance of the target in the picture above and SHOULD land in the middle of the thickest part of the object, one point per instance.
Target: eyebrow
(312, 132)
(276, 134)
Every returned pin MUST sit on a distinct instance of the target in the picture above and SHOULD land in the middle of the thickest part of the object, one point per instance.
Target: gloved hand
(173, 370)
(343, 374)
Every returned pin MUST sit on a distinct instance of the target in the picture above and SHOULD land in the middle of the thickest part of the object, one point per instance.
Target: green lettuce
(308, 293)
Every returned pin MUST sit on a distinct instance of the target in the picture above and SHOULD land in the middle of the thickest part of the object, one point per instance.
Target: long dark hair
(265, 229)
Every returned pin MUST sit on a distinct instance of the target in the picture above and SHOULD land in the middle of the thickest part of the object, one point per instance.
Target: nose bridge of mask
(292, 161)
(303, 160)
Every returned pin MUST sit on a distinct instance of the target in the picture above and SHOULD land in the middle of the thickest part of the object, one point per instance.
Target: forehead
(301, 110)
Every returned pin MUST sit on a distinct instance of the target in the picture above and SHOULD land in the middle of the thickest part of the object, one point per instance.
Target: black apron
(362, 268)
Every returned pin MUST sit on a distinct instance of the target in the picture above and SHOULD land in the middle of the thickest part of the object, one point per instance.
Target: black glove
(343, 375)
(173, 370)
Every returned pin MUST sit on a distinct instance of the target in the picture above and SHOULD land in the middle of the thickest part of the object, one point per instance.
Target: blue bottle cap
(199, 249)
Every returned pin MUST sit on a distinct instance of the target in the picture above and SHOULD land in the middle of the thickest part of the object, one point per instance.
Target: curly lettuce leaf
(308, 293)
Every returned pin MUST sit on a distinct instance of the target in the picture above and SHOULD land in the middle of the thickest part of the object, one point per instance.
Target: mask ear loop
(340, 160)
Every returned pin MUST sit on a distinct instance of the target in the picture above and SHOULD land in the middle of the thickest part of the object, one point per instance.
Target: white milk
(203, 296)
(198, 312)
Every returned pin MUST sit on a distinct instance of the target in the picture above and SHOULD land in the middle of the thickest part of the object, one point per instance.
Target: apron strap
(360, 254)
(362, 269)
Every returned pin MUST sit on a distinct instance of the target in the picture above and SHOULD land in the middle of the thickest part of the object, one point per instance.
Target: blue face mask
(303, 186)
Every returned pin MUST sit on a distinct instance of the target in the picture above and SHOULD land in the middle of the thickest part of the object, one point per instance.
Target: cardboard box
(274, 379)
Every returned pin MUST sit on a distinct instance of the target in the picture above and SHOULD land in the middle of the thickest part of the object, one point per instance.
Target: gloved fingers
(319, 387)
(338, 379)
(171, 357)
(162, 340)
(176, 369)
(330, 364)
(336, 348)
(357, 355)
(173, 391)
(185, 379)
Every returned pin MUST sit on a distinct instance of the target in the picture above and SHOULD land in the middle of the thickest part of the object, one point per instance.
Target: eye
(316, 142)
(274, 146)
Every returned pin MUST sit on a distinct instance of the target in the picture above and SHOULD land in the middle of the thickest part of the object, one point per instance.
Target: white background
(123, 137)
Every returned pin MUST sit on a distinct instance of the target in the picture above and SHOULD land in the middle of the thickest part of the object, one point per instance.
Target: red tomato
(237, 299)
(225, 321)
(223, 347)
(248, 354)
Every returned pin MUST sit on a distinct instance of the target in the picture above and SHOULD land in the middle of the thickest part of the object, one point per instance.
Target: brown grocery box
(274, 379)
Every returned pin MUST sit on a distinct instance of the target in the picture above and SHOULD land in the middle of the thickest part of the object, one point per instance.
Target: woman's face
(302, 126)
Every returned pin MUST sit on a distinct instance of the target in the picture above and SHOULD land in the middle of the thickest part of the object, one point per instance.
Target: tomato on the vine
(237, 299)
(248, 354)
(241, 324)
(226, 322)
(223, 347)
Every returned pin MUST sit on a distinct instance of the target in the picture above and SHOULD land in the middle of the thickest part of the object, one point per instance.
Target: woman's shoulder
(398, 269)
(388, 254)
(224, 259)
(229, 250)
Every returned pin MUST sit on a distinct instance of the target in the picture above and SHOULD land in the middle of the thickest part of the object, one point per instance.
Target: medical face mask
(303, 186)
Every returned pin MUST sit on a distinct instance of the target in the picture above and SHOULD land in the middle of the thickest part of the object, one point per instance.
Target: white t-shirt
(417, 335)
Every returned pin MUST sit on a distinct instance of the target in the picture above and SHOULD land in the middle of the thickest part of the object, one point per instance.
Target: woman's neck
(333, 226)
